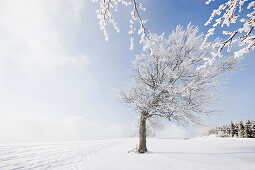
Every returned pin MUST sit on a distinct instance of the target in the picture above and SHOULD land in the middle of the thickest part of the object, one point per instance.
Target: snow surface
(207, 153)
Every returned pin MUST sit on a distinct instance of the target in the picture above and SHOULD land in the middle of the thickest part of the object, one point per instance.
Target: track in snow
(50, 155)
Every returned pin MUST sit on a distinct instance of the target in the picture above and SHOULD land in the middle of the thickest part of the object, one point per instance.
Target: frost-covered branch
(243, 34)
(105, 14)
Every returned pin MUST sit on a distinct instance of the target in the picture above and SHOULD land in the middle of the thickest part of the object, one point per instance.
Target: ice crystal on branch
(105, 15)
(243, 34)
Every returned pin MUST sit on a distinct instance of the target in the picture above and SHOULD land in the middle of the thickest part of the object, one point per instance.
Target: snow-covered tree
(222, 131)
(217, 131)
(240, 130)
(173, 78)
(232, 129)
(228, 131)
(253, 129)
(236, 129)
(243, 30)
(105, 15)
(225, 131)
(213, 132)
(247, 129)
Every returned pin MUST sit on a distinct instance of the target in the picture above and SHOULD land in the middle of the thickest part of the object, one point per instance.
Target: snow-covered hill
(208, 153)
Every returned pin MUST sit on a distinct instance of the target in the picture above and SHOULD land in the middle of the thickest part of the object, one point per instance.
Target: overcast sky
(57, 73)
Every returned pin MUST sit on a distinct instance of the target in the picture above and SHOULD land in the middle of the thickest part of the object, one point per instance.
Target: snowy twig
(246, 41)
(105, 14)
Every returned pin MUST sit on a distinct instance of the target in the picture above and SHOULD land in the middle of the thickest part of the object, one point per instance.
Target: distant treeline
(240, 130)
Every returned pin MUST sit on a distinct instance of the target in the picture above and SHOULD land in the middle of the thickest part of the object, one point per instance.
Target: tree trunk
(142, 134)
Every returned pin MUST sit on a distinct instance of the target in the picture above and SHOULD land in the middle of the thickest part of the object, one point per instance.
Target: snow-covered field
(208, 153)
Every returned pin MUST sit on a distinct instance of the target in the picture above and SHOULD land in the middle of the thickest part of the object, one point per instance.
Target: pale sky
(57, 74)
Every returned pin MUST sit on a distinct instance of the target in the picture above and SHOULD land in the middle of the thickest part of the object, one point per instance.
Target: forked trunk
(142, 134)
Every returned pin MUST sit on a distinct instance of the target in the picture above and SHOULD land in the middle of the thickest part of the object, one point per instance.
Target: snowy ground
(208, 153)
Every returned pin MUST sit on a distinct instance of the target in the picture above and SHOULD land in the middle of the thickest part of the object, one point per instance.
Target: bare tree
(105, 15)
(173, 78)
(243, 32)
